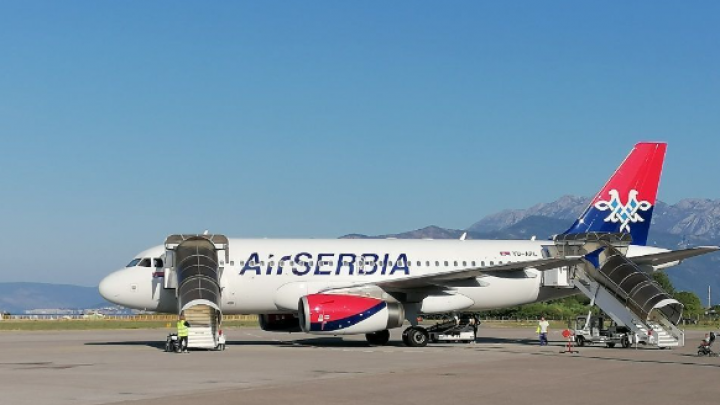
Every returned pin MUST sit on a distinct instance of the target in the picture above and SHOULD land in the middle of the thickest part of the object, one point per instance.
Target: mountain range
(18, 297)
(689, 222)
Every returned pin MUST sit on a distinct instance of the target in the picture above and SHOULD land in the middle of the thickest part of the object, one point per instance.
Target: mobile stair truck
(194, 268)
(622, 287)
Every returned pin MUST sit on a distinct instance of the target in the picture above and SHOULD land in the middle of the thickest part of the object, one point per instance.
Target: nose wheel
(415, 336)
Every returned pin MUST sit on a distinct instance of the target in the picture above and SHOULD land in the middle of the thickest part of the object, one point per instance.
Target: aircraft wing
(657, 259)
(437, 279)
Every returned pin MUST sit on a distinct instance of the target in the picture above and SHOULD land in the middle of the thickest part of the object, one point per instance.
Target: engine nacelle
(279, 322)
(335, 314)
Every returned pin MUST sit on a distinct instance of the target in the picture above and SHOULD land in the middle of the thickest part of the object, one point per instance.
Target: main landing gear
(380, 338)
(415, 336)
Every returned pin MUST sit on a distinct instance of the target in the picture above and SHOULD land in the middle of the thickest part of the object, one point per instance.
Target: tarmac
(506, 366)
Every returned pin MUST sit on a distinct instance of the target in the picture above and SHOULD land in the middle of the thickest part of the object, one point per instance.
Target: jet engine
(279, 322)
(336, 314)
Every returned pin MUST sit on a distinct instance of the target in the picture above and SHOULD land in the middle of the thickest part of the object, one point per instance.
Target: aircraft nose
(110, 287)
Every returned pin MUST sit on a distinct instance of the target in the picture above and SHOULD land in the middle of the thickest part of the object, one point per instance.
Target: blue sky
(123, 122)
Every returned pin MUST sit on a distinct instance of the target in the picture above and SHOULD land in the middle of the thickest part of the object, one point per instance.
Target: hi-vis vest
(182, 329)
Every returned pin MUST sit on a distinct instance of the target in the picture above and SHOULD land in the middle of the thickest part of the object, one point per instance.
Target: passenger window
(158, 262)
(491, 263)
(464, 264)
(482, 263)
(437, 263)
(419, 263)
(446, 263)
(473, 263)
(145, 262)
(455, 263)
(427, 263)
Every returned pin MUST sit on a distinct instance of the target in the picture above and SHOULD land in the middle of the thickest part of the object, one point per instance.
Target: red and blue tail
(625, 204)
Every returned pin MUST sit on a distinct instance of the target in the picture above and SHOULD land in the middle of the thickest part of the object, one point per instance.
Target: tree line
(571, 307)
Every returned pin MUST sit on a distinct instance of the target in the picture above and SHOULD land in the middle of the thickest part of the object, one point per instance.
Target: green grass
(27, 325)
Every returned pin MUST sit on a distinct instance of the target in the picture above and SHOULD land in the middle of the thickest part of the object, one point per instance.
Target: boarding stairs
(194, 269)
(204, 325)
(620, 288)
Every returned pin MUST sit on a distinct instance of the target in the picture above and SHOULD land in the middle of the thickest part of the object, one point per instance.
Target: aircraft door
(158, 277)
(227, 288)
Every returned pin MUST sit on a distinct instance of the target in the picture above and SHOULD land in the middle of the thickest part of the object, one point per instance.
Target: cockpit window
(133, 263)
(145, 262)
(158, 262)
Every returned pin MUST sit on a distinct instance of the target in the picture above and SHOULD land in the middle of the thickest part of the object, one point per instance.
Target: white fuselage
(265, 276)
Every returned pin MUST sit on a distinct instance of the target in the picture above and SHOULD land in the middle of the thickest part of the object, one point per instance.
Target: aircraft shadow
(160, 345)
(495, 340)
(154, 344)
(339, 342)
(328, 342)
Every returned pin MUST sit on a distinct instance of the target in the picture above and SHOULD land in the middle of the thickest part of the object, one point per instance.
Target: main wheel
(625, 341)
(380, 338)
(581, 341)
(610, 345)
(405, 340)
(415, 336)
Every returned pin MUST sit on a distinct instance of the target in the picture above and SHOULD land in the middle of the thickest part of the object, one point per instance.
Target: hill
(18, 297)
(690, 222)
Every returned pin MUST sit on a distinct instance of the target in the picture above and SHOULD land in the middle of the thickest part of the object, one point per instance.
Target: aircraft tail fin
(625, 204)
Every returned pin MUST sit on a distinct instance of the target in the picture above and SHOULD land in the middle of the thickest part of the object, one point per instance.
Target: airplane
(368, 286)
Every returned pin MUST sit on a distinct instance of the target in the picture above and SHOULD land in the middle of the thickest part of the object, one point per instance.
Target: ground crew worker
(543, 329)
(182, 332)
(473, 324)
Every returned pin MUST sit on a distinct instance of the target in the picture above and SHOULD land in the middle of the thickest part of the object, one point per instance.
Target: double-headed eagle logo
(623, 213)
